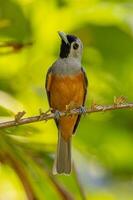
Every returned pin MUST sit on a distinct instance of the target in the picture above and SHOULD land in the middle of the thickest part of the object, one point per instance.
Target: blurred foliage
(103, 145)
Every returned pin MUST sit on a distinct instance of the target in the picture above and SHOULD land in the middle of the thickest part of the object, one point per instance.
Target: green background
(103, 144)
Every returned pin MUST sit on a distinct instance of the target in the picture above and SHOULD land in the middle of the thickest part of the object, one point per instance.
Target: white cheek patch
(76, 53)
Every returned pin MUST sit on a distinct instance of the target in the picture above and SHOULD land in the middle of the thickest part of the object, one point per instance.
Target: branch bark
(6, 158)
(14, 45)
(47, 116)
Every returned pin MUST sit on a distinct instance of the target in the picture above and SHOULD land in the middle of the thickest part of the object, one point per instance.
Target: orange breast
(66, 90)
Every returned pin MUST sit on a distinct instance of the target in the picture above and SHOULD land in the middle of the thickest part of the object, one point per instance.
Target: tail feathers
(63, 159)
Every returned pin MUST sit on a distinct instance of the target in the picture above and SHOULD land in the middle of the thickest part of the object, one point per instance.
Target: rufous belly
(65, 91)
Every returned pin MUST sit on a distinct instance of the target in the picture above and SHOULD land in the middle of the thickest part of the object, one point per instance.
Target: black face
(65, 48)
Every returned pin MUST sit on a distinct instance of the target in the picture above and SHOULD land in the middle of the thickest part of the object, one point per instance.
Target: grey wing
(47, 84)
(85, 87)
(47, 87)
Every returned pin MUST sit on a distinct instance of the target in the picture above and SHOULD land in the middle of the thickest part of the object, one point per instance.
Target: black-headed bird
(66, 84)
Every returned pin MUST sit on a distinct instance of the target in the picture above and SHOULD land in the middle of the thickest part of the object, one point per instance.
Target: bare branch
(47, 116)
(15, 46)
(79, 184)
(8, 159)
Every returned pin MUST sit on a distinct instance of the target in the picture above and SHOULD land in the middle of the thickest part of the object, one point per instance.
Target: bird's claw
(57, 115)
(82, 110)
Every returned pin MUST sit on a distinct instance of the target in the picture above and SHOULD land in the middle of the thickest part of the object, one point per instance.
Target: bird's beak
(63, 36)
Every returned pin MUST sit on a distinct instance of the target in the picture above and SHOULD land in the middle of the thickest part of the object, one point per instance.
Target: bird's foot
(82, 110)
(57, 115)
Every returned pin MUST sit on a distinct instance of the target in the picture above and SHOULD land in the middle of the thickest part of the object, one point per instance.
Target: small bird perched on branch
(66, 85)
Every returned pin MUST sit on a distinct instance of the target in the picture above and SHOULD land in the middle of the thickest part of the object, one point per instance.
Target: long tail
(63, 159)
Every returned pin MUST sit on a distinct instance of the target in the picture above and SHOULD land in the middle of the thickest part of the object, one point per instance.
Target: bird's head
(71, 46)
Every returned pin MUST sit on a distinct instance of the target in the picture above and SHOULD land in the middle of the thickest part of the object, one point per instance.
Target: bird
(66, 85)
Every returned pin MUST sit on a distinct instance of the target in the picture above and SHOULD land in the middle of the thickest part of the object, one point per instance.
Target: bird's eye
(75, 45)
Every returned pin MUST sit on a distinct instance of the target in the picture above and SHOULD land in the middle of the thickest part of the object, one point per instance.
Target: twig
(8, 159)
(16, 46)
(46, 116)
(81, 190)
(65, 194)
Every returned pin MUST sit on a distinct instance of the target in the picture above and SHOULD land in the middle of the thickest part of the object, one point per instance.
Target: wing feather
(85, 93)
(48, 83)
(47, 87)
